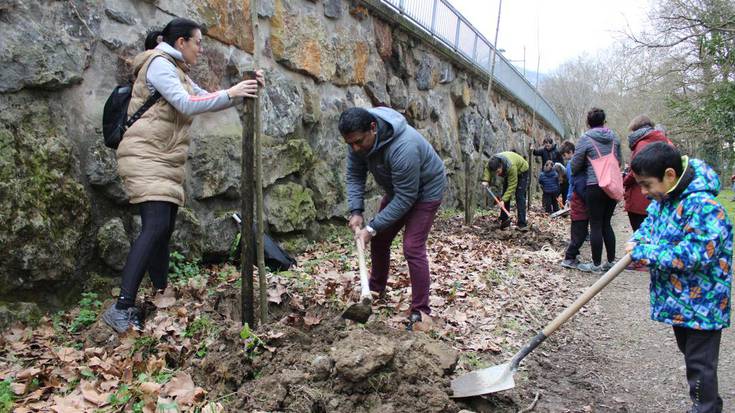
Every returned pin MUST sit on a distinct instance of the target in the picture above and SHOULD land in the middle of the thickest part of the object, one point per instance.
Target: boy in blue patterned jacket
(686, 242)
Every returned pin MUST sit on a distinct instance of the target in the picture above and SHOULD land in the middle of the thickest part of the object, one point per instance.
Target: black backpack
(276, 258)
(115, 116)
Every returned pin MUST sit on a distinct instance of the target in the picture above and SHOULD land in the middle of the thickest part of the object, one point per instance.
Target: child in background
(549, 181)
(686, 242)
(578, 211)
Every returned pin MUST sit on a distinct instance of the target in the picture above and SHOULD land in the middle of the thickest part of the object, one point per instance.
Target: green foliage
(233, 247)
(121, 397)
(7, 398)
(145, 345)
(252, 342)
(180, 269)
(89, 307)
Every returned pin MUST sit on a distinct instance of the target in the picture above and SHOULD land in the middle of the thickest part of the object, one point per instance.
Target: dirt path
(614, 358)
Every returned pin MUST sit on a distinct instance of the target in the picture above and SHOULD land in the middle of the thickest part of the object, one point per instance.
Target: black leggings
(601, 208)
(150, 251)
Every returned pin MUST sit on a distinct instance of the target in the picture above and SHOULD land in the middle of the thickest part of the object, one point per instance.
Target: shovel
(497, 201)
(361, 311)
(499, 378)
(559, 213)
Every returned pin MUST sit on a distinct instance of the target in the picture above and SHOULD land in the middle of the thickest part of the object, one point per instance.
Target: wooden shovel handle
(364, 283)
(591, 292)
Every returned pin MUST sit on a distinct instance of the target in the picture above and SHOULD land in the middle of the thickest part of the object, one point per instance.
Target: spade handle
(565, 315)
(364, 283)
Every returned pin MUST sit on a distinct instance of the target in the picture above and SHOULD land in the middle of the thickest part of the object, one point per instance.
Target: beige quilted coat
(152, 155)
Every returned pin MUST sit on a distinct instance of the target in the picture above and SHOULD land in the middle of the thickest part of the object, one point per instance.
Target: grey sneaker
(121, 320)
(571, 264)
(589, 267)
(606, 266)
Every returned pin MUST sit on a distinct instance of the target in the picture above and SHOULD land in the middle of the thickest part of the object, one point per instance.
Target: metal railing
(442, 21)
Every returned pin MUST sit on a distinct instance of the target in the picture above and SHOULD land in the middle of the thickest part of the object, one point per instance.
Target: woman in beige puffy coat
(152, 154)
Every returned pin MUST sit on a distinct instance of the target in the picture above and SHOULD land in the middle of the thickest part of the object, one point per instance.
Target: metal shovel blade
(559, 213)
(359, 312)
(484, 381)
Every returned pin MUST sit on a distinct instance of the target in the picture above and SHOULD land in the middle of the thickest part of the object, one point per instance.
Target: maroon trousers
(417, 221)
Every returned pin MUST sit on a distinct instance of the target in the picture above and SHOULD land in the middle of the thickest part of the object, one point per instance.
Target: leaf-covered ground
(491, 291)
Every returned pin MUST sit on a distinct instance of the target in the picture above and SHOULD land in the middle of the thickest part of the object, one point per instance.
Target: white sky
(566, 28)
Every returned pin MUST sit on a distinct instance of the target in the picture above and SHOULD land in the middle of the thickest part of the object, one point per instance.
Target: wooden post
(260, 225)
(468, 210)
(246, 209)
(475, 176)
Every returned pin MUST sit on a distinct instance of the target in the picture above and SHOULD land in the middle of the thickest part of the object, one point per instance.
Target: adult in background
(595, 142)
(513, 169)
(642, 134)
(412, 175)
(547, 152)
(152, 154)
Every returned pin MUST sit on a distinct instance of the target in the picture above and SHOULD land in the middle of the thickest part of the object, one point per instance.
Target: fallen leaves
(489, 291)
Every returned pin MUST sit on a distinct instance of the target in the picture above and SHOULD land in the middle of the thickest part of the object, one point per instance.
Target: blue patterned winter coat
(686, 242)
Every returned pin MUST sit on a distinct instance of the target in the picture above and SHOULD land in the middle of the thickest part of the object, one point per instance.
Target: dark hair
(548, 139)
(566, 147)
(655, 159)
(639, 122)
(355, 119)
(595, 117)
(494, 163)
(549, 162)
(178, 27)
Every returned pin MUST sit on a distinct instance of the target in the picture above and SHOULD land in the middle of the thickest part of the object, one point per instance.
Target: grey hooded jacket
(603, 138)
(162, 76)
(402, 162)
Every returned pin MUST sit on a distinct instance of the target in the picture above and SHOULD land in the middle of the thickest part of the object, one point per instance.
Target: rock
(289, 207)
(102, 173)
(360, 355)
(312, 106)
(445, 356)
(461, 94)
(333, 8)
(427, 75)
(298, 42)
(18, 312)
(113, 244)
(351, 60)
(120, 17)
(215, 166)
(398, 93)
(219, 237)
(472, 128)
(378, 93)
(224, 21)
(266, 8)
(34, 32)
(279, 161)
(283, 106)
(329, 190)
(417, 110)
(383, 38)
(358, 11)
(44, 209)
(321, 367)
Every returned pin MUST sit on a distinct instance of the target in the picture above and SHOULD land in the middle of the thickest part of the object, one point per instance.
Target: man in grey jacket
(412, 175)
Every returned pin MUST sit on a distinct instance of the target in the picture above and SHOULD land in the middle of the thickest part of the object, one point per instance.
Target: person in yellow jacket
(513, 168)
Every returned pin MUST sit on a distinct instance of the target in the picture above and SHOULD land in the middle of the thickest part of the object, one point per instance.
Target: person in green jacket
(513, 168)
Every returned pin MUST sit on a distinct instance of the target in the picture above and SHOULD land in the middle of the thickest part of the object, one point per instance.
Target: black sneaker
(414, 318)
(505, 224)
(136, 318)
(121, 320)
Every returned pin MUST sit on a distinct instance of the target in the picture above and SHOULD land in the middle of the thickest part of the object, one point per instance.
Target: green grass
(725, 199)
